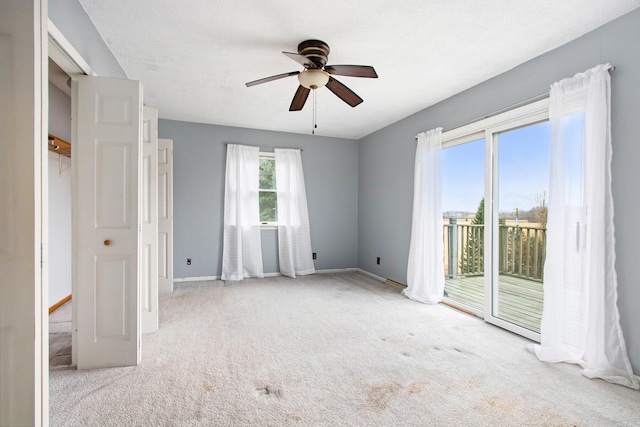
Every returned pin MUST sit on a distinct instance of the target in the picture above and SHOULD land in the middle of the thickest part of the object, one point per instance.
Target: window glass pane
(267, 174)
(523, 182)
(463, 212)
(268, 199)
(268, 206)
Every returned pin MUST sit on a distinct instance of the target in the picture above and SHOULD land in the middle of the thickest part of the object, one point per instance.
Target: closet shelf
(59, 146)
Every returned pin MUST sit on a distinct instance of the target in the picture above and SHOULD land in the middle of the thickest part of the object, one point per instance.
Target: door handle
(107, 242)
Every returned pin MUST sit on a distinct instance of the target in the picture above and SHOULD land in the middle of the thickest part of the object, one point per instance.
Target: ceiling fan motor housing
(316, 50)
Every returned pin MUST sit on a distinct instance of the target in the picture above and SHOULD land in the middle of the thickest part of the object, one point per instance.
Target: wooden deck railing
(521, 250)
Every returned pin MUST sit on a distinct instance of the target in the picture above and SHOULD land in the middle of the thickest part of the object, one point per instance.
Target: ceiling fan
(312, 54)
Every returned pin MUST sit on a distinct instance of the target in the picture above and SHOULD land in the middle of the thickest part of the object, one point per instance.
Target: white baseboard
(337, 270)
(196, 279)
(382, 279)
(272, 274)
(328, 271)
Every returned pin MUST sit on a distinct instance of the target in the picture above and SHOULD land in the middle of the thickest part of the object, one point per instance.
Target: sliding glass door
(495, 179)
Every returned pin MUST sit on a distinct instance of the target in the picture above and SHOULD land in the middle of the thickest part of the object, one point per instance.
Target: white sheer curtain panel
(425, 270)
(580, 320)
(242, 247)
(294, 235)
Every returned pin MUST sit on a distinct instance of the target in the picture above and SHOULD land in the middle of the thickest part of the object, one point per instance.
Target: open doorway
(59, 213)
(93, 189)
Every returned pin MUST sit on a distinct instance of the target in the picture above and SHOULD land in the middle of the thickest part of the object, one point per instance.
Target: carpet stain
(380, 395)
(294, 417)
(502, 404)
(208, 387)
(474, 383)
(268, 390)
(406, 354)
(415, 387)
(517, 410)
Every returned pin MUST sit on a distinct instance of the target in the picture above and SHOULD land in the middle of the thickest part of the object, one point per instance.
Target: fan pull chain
(315, 112)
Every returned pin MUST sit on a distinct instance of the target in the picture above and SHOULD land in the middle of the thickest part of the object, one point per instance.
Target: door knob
(107, 242)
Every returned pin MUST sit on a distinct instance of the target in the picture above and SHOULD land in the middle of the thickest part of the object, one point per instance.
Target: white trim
(271, 155)
(338, 270)
(196, 279)
(276, 274)
(476, 130)
(65, 55)
(382, 279)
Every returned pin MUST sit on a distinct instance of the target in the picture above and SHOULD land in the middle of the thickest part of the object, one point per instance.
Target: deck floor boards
(520, 300)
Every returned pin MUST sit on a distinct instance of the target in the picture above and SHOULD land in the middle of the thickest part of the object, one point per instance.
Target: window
(268, 195)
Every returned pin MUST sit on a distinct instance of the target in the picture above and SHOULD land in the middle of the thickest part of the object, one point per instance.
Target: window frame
(268, 225)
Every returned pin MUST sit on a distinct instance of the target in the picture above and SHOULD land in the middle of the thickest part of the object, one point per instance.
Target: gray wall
(72, 20)
(330, 170)
(386, 157)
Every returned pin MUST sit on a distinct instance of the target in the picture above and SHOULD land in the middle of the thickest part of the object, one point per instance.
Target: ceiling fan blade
(343, 92)
(301, 59)
(352, 70)
(272, 78)
(299, 98)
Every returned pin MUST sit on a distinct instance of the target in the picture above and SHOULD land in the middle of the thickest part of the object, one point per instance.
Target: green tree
(267, 196)
(472, 261)
(479, 218)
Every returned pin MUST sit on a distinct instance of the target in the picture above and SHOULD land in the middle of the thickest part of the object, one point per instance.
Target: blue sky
(523, 165)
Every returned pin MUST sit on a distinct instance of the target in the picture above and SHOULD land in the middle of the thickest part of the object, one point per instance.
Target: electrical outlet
(188, 261)
(378, 260)
(315, 255)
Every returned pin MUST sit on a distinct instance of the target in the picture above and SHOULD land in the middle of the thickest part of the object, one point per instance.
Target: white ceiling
(194, 57)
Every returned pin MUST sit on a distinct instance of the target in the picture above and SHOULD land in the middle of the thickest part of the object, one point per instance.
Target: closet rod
(510, 107)
(263, 149)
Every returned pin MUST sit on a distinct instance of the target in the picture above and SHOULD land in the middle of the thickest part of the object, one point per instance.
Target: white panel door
(107, 137)
(165, 215)
(149, 222)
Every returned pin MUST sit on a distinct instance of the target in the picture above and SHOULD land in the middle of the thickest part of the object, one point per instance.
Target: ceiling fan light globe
(313, 78)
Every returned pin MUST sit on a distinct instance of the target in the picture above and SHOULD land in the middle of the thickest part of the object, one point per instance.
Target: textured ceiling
(194, 56)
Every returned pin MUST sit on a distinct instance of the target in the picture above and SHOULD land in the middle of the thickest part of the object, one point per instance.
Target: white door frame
(24, 348)
(149, 221)
(62, 52)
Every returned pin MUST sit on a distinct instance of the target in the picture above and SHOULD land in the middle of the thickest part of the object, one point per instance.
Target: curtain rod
(262, 148)
(510, 107)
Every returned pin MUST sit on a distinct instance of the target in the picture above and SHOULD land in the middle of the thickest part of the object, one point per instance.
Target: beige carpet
(60, 336)
(330, 350)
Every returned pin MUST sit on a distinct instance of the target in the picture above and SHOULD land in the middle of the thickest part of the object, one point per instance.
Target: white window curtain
(294, 236)
(242, 247)
(425, 270)
(580, 321)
